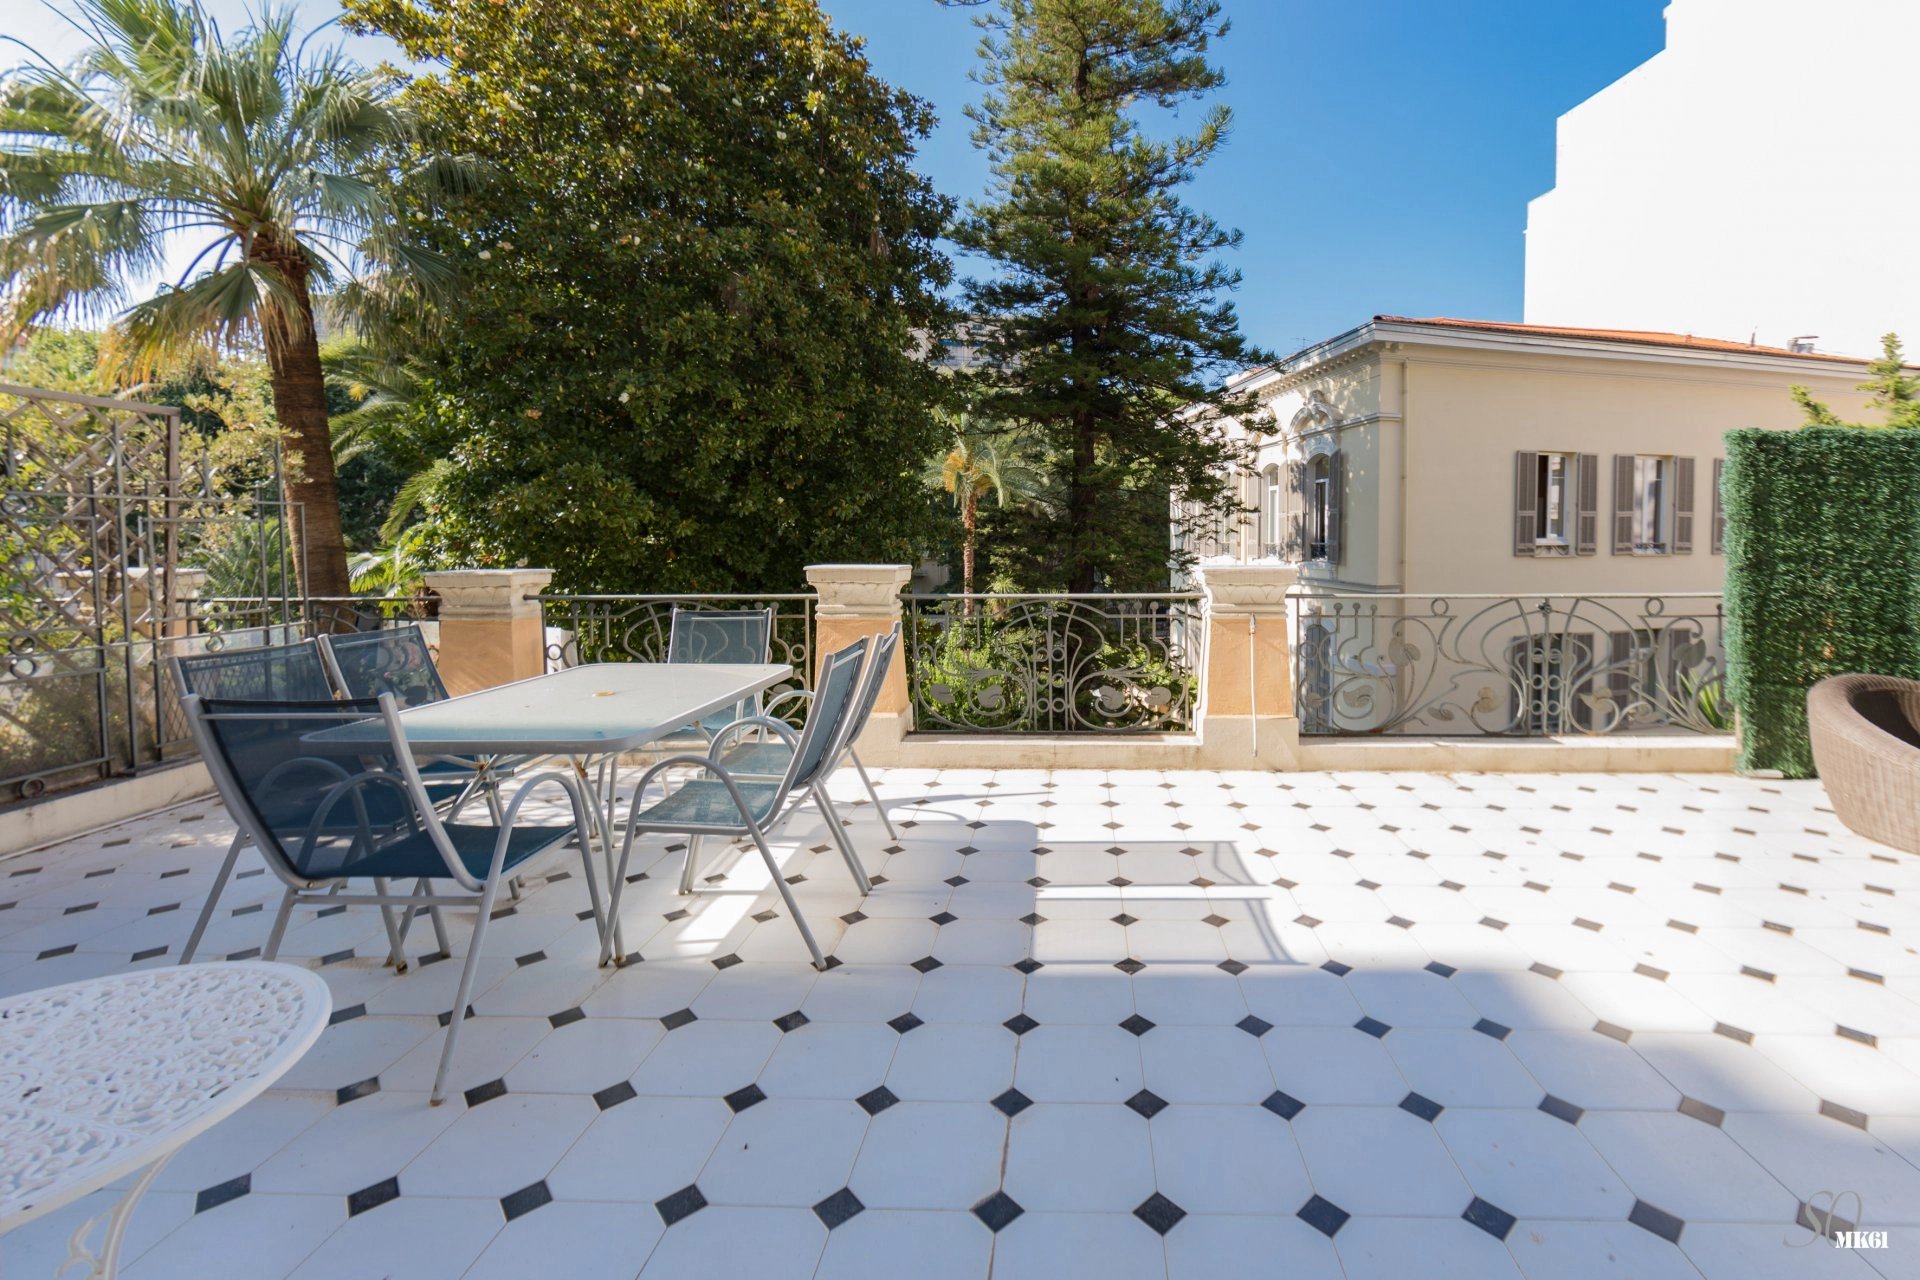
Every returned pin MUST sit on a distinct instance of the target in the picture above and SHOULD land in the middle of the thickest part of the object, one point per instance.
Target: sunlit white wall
(1756, 178)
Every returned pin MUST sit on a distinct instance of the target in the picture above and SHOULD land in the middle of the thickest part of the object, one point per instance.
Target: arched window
(1270, 512)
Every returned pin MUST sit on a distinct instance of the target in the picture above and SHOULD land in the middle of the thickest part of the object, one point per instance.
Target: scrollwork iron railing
(1104, 664)
(1523, 666)
(635, 628)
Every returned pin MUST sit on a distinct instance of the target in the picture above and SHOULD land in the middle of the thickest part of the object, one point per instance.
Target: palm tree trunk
(969, 524)
(300, 402)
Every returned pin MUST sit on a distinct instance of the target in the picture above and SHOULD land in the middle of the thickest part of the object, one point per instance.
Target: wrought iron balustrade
(1522, 666)
(1101, 664)
(635, 628)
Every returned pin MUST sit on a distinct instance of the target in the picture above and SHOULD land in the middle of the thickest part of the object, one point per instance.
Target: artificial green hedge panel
(1823, 546)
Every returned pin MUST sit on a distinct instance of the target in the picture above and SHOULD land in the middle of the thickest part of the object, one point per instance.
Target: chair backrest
(395, 660)
(833, 705)
(873, 676)
(282, 672)
(720, 635)
(314, 810)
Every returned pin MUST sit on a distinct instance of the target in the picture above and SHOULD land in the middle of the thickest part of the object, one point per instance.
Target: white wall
(1755, 177)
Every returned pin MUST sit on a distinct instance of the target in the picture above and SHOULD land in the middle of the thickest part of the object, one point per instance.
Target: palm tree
(983, 459)
(280, 164)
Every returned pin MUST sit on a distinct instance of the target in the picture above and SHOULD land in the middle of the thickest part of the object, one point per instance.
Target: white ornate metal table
(110, 1077)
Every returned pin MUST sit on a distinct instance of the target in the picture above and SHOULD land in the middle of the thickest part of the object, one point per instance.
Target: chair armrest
(795, 695)
(724, 738)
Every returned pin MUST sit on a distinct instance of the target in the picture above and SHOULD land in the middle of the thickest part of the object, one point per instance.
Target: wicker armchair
(1866, 745)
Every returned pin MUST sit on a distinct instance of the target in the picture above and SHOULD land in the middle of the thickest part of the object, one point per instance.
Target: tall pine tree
(1108, 329)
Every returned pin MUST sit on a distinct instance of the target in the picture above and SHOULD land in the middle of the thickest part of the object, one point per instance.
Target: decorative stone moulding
(489, 593)
(1247, 588)
(859, 590)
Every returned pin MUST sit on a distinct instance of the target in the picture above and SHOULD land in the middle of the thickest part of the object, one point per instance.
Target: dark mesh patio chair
(719, 804)
(331, 795)
(396, 660)
(770, 756)
(719, 635)
(243, 667)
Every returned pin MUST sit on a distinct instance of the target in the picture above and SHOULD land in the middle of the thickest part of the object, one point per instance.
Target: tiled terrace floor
(1101, 1025)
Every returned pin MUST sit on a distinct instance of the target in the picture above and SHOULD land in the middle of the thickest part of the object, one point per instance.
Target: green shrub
(1823, 546)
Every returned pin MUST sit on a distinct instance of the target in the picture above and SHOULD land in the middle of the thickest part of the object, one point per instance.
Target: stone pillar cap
(488, 593)
(859, 590)
(1247, 588)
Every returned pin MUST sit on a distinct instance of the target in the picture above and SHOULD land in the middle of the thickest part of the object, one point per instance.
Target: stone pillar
(1246, 705)
(864, 600)
(490, 632)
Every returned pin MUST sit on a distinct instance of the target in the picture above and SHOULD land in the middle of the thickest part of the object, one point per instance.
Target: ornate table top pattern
(100, 1078)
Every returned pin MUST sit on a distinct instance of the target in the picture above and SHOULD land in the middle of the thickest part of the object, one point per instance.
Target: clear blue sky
(1383, 150)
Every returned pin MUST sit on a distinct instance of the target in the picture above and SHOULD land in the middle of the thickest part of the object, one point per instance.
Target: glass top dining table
(596, 710)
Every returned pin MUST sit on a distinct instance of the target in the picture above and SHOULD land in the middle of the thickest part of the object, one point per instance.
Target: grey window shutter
(1336, 504)
(1623, 504)
(1586, 509)
(1719, 511)
(1296, 547)
(1683, 506)
(1526, 501)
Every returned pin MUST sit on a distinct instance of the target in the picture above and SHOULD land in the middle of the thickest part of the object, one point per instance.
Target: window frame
(1319, 507)
(1547, 539)
(1653, 504)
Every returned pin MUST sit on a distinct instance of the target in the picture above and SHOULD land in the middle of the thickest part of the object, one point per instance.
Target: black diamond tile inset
(1012, 1102)
(1284, 1105)
(1029, 965)
(1323, 1215)
(1488, 1027)
(1234, 967)
(726, 962)
(1160, 1213)
(215, 1196)
(1441, 970)
(926, 964)
(838, 1207)
(1561, 1109)
(347, 1014)
(615, 1094)
(906, 1022)
(1490, 1218)
(1146, 1104)
(740, 1099)
(1123, 919)
(359, 1089)
(149, 954)
(1613, 1031)
(791, 1021)
(1845, 1115)
(373, 1197)
(1373, 1027)
(518, 1204)
(486, 1092)
(876, 1100)
(1129, 965)
(1733, 1032)
(1337, 969)
(1419, 1105)
(1254, 1026)
(683, 1203)
(945, 917)
(998, 1211)
(1658, 1221)
(1020, 1024)
(678, 1019)
(1704, 1112)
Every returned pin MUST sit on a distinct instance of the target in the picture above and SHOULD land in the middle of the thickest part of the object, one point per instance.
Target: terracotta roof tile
(1641, 337)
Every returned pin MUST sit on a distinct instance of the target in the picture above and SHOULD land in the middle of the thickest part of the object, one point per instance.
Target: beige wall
(1470, 412)
(1430, 432)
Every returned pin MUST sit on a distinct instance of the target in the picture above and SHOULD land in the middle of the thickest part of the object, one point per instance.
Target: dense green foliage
(685, 358)
(1104, 326)
(1823, 574)
(1895, 388)
(271, 156)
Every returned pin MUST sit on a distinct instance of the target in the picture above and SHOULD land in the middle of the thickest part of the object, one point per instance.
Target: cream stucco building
(1445, 456)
